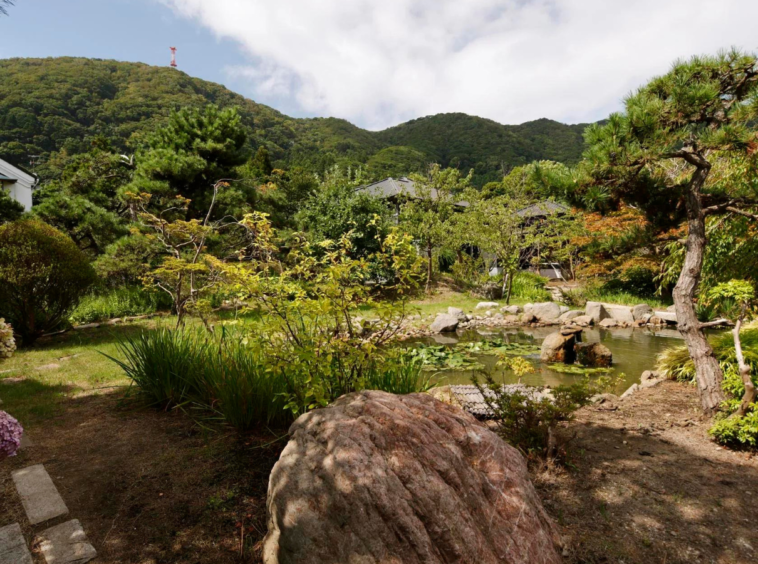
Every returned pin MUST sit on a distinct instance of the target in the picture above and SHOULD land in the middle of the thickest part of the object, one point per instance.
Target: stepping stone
(13, 546)
(26, 442)
(66, 544)
(39, 495)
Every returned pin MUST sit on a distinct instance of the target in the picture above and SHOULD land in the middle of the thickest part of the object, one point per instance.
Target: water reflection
(634, 351)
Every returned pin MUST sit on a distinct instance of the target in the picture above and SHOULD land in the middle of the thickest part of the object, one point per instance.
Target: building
(396, 190)
(17, 183)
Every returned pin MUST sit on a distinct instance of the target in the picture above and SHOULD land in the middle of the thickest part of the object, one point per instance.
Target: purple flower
(10, 435)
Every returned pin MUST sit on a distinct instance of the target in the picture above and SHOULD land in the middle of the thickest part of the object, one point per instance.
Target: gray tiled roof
(392, 187)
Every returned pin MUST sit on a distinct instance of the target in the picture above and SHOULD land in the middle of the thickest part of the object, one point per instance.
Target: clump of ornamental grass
(10, 435)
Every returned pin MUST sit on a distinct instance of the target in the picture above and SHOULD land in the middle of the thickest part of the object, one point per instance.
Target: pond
(634, 351)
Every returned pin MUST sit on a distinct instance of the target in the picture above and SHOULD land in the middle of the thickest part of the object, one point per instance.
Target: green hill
(62, 104)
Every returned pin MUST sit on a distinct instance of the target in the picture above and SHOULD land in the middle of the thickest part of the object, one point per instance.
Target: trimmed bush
(43, 275)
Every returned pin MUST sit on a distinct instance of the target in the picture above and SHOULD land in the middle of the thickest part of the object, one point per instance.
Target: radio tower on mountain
(173, 57)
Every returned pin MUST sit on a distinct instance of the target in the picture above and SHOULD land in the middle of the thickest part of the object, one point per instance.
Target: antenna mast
(173, 57)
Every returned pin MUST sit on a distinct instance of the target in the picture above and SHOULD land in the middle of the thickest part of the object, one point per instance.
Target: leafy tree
(188, 155)
(10, 209)
(659, 155)
(261, 162)
(43, 275)
(339, 209)
(429, 214)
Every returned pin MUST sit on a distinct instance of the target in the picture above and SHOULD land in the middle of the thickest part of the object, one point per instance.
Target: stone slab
(66, 544)
(13, 548)
(620, 313)
(26, 442)
(669, 317)
(39, 495)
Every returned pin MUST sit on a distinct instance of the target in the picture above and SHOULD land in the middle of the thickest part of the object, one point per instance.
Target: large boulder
(487, 305)
(621, 313)
(595, 355)
(546, 311)
(444, 323)
(596, 311)
(378, 478)
(641, 310)
(511, 310)
(558, 347)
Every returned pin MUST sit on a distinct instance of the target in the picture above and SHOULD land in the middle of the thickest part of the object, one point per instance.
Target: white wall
(22, 189)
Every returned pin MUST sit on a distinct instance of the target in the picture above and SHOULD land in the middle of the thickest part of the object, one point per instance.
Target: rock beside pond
(456, 312)
(511, 310)
(583, 321)
(546, 311)
(558, 348)
(569, 315)
(443, 323)
(528, 317)
(640, 311)
(593, 355)
(377, 478)
(596, 311)
(608, 323)
(486, 305)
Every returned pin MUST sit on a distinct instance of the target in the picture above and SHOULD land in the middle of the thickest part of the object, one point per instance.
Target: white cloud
(380, 62)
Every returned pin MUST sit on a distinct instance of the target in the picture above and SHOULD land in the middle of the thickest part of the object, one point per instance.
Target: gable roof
(14, 173)
(543, 209)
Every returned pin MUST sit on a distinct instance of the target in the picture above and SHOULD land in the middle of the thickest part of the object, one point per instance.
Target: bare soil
(643, 484)
(150, 487)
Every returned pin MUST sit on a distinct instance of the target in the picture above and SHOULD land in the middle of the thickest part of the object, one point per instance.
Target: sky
(378, 63)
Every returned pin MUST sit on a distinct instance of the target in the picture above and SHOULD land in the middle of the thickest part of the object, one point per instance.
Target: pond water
(634, 351)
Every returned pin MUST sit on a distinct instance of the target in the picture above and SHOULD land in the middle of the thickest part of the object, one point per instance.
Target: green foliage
(530, 287)
(737, 431)
(526, 419)
(10, 209)
(188, 155)
(461, 357)
(225, 377)
(62, 104)
(117, 302)
(675, 363)
(7, 342)
(637, 281)
(397, 162)
(338, 209)
(43, 275)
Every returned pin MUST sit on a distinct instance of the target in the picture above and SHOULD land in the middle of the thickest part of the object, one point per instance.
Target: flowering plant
(10, 435)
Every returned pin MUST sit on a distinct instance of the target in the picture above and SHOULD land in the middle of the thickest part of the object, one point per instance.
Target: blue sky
(380, 62)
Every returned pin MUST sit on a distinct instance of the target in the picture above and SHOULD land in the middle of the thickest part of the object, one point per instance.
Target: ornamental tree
(429, 214)
(684, 149)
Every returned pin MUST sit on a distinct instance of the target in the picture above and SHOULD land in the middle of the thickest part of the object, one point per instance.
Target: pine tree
(685, 149)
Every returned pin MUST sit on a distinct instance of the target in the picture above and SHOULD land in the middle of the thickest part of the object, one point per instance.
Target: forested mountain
(63, 104)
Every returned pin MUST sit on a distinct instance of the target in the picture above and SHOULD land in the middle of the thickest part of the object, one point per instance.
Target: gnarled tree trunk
(707, 369)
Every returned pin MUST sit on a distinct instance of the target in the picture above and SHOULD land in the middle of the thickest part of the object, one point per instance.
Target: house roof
(393, 187)
(14, 173)
(3, 177)
(543, 209)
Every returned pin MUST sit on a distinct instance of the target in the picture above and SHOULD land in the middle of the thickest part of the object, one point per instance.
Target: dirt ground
(150, 487)
(643, 484)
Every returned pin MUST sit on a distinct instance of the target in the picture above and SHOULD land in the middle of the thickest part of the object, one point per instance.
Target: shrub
(119, 302)
(675, 363)
(43, 275)
(637, 281)
(7, 342)
(526, 419)
(530, 287)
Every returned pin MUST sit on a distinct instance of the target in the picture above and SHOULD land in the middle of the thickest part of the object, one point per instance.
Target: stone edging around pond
(543, 314)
